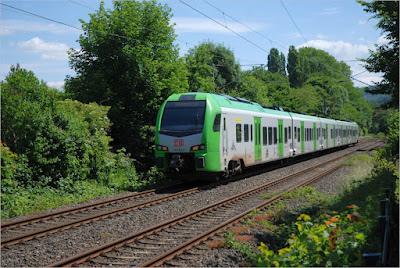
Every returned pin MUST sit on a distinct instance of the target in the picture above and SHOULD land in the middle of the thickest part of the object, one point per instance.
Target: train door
(280, 138)
(302, 136)
(315, 135)
(326, 135)
(257, 140)
(334, 135)
(341, 135)
(224, 137)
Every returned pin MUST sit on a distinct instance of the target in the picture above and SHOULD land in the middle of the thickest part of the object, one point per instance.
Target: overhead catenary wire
(225, 14)
(131, 38)
(347, 76)
(298, 29)
(226, 27)
(75, 27)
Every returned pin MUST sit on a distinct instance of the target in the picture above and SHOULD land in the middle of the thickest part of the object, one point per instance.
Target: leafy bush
(54, 147)
(330, 240)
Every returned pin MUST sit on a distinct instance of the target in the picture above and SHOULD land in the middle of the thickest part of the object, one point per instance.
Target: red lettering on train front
(178, 143)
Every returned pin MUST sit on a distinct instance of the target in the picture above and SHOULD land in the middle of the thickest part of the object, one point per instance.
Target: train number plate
(178, 143)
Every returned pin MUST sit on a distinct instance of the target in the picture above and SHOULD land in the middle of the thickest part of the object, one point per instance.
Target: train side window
(238, 132)
(275, 135)
(265, 136)
(217, 123)
(331, 133)
(286, 135)
(295, 133)
(224, 124)
(290, 133)
(251, 130)
(246, 133)
(269, 135)
(298, 135)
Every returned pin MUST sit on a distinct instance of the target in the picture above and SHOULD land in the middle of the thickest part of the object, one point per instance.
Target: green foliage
(386, 57)
(393, 134)
(128, 60)
(54, 144)
(53, 141)
(276, 62)
(253, 89)
(291, 67)
(245, 248)
(212, 68)
(305, 194)
(330, 240)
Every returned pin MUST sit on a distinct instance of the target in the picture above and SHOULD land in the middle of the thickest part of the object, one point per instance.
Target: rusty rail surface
(180, 220)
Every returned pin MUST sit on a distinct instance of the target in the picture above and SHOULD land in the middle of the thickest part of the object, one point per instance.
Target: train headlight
(198, 147)
(162, 148)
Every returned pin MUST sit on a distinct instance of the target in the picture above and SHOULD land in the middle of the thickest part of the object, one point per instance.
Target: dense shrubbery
(329, 240)
(52, 143)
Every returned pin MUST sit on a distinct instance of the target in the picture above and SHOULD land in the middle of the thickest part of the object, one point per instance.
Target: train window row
(270, 134)
(247, 135)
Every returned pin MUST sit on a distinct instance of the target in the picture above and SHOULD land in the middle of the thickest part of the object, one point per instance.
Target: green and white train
(203, 132)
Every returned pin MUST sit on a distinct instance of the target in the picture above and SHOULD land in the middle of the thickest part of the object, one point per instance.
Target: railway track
(177, 235)
(35, 227)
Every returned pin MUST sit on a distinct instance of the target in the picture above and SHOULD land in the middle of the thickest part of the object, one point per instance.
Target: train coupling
(176, 161)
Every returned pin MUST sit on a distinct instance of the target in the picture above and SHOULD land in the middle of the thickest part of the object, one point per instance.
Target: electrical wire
(225, 14)
(347, 76)
(293, 22)
(226, 27)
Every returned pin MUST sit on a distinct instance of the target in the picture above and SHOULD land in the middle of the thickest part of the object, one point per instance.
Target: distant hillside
(380, 98)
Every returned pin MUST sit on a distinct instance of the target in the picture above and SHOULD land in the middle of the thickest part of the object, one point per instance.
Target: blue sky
(341, 28)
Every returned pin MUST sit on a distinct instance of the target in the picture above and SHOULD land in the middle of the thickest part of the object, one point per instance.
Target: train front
(185, 140)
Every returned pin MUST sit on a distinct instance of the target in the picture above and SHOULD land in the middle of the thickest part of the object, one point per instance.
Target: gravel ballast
(50, 249)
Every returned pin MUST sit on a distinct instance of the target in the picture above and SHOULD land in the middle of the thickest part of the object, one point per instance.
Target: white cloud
(346, 51)
(321, 36)
(202, 25)
(51, 50)
(339, 49)
(362, 22)
(11, 27)
(57, 85)
(329, 11)
(382, 40)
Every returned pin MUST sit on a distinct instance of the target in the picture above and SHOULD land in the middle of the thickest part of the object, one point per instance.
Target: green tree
(128, 60)
(282, 69)
(212, 68)
(386, 57)
(53, 141)
(302, 69)
(291, 66)
(253, 89)
(275, 61)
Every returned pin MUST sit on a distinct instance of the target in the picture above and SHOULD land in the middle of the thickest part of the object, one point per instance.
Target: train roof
(228, 101)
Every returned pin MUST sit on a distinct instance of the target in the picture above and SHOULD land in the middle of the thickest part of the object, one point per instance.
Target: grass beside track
(293, 225)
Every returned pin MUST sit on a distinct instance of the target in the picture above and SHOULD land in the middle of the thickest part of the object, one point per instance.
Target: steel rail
(68, 225)
(9, 225)
(39, 233)
(167, 256)
(159, 260)
(129, 239)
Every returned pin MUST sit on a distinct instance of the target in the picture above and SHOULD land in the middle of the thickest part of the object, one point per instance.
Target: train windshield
(183, 118)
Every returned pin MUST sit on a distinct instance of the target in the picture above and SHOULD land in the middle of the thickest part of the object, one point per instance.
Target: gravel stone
(49, 249)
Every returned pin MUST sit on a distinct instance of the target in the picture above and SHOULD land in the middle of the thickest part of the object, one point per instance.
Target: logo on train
(178, 143)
